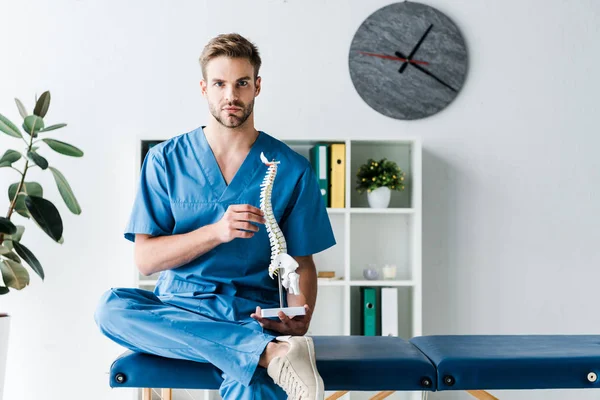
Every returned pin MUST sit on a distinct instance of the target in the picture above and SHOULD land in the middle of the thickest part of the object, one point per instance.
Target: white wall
(511, 202)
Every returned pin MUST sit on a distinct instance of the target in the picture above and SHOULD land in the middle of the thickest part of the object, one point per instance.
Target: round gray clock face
(408, 60)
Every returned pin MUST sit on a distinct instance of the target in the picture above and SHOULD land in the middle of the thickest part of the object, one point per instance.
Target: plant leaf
(53, 127)
(3, 290)
(6, 226)
(29, 258)
(45, 215)
(20, 207)
(65, 191)
(63, 148)
(23, 211)
(21, 107)
(15, 236)
(12, 256)
(37, 159)
(31, 188)
(10, 156)
(42, 104)
(14, 274)
(9, 128)
(33, 122)
(20, 231)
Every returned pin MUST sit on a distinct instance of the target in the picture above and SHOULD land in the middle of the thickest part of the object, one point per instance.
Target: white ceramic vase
(379, 198)
(4, 329)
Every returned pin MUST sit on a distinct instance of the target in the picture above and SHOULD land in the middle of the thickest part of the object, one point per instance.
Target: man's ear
(257, 84)
(203, 87)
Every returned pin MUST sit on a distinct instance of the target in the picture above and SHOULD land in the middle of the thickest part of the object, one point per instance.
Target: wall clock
(408, 60)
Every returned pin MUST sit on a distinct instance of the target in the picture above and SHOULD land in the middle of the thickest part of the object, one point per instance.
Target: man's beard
(232, 120)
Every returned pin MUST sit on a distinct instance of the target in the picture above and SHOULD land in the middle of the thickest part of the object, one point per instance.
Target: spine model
(280, 260)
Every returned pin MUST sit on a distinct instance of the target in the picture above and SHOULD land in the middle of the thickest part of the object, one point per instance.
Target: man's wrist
(209, 234)
(296, 300)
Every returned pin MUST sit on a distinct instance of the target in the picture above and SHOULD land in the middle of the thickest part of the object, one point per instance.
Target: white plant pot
(379, 198)
(4, 329)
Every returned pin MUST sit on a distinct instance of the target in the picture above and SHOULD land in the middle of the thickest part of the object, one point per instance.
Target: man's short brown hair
(230, 45)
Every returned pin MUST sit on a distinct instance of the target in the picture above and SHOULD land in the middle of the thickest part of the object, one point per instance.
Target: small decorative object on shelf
(326, 274)
(379, 178)
(389, 271)
(370, 273)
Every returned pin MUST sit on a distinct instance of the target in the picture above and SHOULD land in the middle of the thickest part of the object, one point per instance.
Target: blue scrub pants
(138, 320)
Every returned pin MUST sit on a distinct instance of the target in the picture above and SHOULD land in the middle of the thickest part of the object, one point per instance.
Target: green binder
(369, 311)
(319, 159)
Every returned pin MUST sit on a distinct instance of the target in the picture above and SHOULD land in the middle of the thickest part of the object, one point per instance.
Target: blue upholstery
(512, 361)
(372, 363)
(365, 363)
(147, 371)
(344, 362)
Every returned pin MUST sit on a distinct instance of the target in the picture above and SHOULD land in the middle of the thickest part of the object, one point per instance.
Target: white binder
(389, 311)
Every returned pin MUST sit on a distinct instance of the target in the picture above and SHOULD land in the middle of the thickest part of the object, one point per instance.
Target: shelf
(382, 283)
(331, 282)
(400, 152)
(365, 210)
(382, 239)
(360, 210)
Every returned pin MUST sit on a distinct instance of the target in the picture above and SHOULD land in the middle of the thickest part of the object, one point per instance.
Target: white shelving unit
(372, 236)
(364, 236)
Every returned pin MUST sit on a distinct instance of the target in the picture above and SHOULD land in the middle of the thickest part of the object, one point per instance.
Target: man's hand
(295, 326)
(236, 222)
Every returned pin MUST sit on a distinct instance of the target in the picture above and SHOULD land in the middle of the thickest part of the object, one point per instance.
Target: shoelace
(291, 384)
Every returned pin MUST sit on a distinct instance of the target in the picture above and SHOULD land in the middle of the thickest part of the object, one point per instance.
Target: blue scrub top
(182, 189)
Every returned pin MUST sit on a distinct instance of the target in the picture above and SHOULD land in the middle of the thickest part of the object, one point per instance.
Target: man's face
(230, 89)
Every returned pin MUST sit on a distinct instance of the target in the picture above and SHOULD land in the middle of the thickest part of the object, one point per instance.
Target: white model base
(289, 311)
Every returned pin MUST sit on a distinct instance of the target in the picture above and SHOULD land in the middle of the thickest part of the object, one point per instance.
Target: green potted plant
(26, 199)
(378, 179)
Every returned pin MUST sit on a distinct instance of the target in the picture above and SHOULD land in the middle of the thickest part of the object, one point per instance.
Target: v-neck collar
(241, 179)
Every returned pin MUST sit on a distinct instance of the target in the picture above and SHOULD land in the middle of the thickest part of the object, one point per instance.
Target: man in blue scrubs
(197, 221)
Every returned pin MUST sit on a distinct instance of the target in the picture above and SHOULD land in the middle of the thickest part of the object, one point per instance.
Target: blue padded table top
(141, 370)
(372, 363)
(344, 362)
(466, 362)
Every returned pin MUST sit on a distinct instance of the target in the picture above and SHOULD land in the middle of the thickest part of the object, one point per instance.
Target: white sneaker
(296, 372)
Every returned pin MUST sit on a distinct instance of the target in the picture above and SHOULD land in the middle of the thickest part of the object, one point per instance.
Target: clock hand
(428, 73)
(400, 54)
(414, 50)
(403, 66)
(404, 59)
(434, 77)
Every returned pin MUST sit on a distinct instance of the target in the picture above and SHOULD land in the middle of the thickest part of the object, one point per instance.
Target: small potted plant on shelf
(378, 179)
(26, 199)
